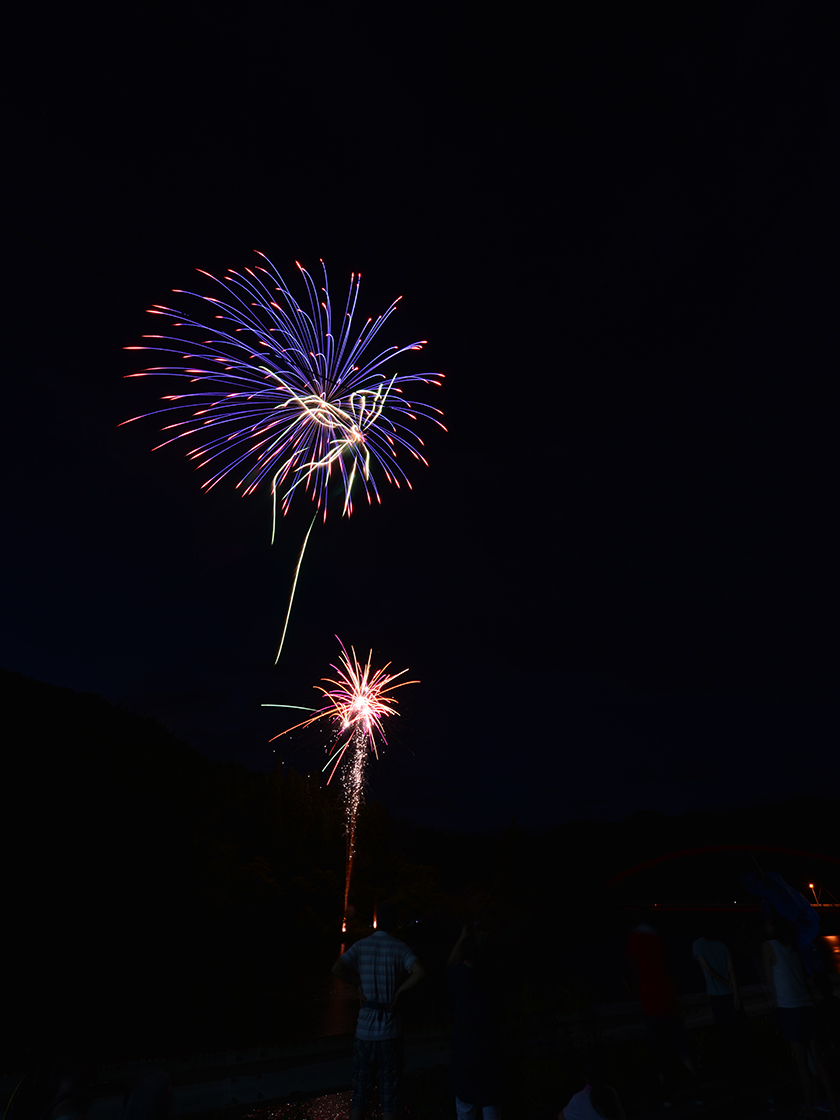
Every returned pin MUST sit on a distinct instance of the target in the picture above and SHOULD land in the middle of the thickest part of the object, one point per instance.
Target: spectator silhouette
(381, 968)
(715, 960)
(788, 991)
(647, 950)
(476, 1066)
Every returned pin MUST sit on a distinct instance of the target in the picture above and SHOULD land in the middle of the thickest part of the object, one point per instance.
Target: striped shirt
(382, 963)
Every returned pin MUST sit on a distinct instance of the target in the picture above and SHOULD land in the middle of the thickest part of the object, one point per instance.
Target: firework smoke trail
(356, 704)
(283, 398)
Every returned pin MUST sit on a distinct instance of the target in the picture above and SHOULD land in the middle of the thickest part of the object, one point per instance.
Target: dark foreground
(542, 1070)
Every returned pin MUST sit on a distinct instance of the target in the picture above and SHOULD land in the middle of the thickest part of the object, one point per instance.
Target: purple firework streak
(282, 397)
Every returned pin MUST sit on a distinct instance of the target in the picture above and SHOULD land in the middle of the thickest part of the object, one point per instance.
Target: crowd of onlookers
(382, 969)
(806, 1009)
(807, 1012)
(808, 1015)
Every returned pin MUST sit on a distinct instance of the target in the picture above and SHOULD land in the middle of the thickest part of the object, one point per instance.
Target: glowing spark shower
(356, 704)
(282, 397)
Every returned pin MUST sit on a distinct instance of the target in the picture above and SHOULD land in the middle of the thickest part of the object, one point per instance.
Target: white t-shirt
(716, 956)
(789, 977)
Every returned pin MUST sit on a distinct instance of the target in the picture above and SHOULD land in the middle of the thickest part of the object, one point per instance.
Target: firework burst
(356, 704)
(284, 398)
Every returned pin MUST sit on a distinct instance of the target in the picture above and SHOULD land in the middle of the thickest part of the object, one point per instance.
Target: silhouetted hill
(164, 898)
(147, 888)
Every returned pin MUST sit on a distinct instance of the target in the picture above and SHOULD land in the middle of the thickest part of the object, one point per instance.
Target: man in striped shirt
(381, 968)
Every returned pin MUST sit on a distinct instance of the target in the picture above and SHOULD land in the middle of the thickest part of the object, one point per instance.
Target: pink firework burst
(358, 701)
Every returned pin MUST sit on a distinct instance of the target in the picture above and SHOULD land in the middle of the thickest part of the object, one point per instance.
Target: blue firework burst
(283, 398)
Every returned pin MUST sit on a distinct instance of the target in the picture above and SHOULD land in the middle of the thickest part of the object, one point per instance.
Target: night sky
(616, 581)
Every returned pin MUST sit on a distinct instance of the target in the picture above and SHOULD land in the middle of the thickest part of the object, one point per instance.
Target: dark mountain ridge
(164, 893)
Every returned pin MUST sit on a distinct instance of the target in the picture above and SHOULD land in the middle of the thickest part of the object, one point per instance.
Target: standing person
(476, 1065)
(381, 968)
(719, 973)
(787, 988)
(739, 1056)
(722, 989)
(646, 948)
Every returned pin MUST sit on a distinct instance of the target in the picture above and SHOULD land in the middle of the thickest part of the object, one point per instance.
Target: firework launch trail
(356, 704)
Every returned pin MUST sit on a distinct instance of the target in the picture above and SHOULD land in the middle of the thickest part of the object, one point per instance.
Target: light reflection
(832, 944)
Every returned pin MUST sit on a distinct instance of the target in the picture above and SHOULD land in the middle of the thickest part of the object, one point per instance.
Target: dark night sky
(616, 581)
